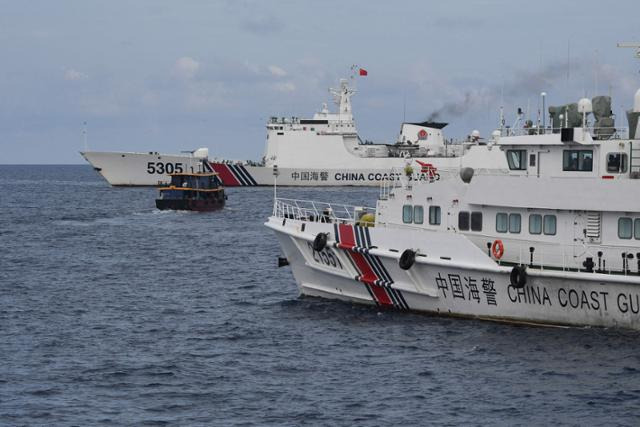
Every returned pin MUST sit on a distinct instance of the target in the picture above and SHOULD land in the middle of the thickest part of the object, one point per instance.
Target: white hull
(144, 169)
(361, 172)
(140, 169)
(454, 278)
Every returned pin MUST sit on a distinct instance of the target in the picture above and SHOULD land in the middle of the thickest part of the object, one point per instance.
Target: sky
(170, 76)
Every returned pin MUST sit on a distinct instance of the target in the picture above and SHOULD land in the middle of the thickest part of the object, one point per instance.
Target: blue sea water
(114, 313)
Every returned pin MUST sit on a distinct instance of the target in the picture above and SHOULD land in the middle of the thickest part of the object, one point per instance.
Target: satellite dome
(495, 135)
(585, 106)
(475, 133)
(201, 153)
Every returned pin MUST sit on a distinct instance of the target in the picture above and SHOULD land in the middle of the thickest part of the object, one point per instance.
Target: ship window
(418, 214)
(516, 159)
(434, 215)
(407, 214)
(532, 159)
(463, 221)
(535, 224)
(616, 162)
(577, 160)
(502, 222)
(625, 228)
(636, 228)
(476, 221)
(514, 223)
(549, 223)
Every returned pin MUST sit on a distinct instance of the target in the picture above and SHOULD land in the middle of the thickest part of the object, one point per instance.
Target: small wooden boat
(200, 191)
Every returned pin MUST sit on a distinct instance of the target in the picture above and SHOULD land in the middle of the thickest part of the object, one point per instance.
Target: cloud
(263, 25)
(276, 71)
(186, 67)
(74, 75)
(285, 87)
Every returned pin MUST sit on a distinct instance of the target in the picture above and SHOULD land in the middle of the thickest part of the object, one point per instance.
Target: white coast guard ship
(327, 151)
(323, 151)
(555, 241)
(140, 169)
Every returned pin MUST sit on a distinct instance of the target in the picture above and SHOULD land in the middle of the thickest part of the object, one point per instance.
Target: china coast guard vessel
(327, 151)
(554, 241)
(322, 151)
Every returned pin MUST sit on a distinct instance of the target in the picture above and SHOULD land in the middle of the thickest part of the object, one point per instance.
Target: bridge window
(502, 222)
(476, 221)
(625, 228)
(407, 214)
(517, 159)
(577, 160)
(463, 221)
(514, 223)
(636, 228)
(616, 162)
(550, 225)
(418, 214)
(535, 224)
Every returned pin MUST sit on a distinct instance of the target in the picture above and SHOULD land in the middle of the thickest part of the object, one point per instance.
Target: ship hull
(152, 169)
(356, 171)
(453, 279)
(190, 205)
(140, 169)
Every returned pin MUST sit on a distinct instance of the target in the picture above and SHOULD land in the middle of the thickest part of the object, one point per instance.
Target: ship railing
(308, 210)
(606, 259)
(618, 132)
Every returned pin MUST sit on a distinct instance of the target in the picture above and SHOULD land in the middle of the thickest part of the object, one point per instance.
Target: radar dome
(585, 106)
(495, 135)
(475, 133)
(201, 153)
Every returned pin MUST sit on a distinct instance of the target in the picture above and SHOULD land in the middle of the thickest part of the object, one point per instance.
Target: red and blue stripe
(356, 241)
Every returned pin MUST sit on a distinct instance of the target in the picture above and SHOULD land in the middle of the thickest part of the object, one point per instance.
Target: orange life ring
(497, 249)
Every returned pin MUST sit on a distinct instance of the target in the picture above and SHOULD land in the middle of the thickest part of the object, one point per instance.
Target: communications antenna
(84, 136)
(632, 45)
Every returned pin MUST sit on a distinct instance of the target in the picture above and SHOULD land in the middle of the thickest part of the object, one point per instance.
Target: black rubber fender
(407, 259)
(518, 277)
(319, 242)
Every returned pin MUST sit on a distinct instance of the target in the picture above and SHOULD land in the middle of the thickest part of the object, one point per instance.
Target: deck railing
(307, 210)
(618, 132)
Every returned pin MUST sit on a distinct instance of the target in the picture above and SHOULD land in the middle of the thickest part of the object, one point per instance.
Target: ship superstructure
(327, 150)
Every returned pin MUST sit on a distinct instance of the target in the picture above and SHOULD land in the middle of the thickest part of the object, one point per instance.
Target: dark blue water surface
(113, 313)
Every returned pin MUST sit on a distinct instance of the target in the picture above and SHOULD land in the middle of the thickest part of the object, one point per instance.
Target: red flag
(363, 72)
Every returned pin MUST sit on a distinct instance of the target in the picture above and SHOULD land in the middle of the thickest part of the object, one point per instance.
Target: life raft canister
(407, 259)
(497, 249)
(319, 242)
(518, 277)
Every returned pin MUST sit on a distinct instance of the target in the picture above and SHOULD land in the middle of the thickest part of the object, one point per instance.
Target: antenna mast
(632, 45)
(84, 136)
